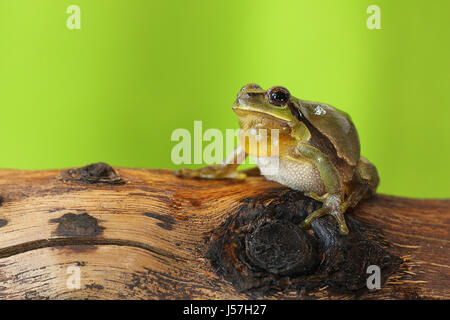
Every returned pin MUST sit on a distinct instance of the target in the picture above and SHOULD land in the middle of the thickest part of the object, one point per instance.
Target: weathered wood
(145, 235)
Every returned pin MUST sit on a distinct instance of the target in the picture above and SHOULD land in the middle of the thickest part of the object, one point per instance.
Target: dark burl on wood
(262, 249)
(146, 234)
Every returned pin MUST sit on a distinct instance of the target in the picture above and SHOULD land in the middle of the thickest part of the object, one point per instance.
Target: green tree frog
(318, 151)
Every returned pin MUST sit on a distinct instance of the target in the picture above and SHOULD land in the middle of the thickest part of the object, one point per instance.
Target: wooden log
(146, 234)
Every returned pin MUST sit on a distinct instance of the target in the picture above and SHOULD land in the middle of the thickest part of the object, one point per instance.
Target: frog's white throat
(297, 175)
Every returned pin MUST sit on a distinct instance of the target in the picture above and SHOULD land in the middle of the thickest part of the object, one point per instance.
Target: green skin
(333, 126)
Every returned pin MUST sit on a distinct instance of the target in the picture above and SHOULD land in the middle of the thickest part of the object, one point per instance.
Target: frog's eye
(278, 96)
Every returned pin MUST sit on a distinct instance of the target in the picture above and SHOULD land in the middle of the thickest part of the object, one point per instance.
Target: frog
(317, 151)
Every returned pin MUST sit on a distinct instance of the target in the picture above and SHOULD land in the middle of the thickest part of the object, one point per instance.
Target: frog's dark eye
(278, 96)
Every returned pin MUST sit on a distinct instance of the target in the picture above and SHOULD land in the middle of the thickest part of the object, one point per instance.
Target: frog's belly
(296, 175)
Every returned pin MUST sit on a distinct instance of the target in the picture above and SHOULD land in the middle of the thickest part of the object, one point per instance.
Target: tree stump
(147, 234)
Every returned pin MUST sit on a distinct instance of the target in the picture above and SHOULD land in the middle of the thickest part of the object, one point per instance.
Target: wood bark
(145, 234)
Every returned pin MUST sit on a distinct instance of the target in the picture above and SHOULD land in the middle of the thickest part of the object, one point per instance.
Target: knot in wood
(281, 247)
(262, 249)
(93, 173)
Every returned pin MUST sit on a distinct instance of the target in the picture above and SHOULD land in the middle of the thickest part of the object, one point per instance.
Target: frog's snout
(248, 93)
(250, 86)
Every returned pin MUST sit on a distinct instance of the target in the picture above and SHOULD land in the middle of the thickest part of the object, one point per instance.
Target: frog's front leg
(332, 199)
(226, 170)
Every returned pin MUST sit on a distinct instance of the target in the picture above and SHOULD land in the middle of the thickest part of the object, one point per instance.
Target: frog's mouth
(275, 114)
(261, 120)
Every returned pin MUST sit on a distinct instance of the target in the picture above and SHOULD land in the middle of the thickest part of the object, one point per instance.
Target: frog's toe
(180, 172)
(339, 216)
(237, 175)
(314, 215)
(316, 197)
(185, 173)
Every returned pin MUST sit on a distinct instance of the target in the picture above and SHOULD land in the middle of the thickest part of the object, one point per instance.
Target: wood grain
(146, 238)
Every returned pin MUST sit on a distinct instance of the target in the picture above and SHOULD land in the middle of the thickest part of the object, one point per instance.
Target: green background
(115, 90)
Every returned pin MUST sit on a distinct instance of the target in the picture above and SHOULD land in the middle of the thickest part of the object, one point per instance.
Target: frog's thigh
(326, 168)
(368, 182)
(367, 173)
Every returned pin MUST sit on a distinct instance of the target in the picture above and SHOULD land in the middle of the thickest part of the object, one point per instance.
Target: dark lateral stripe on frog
(317, 138)
(295, 111)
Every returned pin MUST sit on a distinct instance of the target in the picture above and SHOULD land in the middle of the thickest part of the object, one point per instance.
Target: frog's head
(275, 108)
(254, 102)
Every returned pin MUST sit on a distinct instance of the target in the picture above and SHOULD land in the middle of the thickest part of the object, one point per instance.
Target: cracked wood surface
(146, 238)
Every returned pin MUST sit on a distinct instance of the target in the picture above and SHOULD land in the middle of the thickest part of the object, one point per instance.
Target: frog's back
(336, 125)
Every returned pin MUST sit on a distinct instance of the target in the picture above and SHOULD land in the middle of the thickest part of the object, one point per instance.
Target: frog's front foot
(211, 172)
(332, 207)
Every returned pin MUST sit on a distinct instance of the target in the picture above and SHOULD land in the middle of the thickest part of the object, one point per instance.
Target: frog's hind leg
(368, 180)
(368, 174)
(226, 170)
